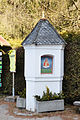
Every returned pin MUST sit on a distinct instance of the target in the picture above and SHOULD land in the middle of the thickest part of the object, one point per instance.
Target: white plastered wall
(35, 81)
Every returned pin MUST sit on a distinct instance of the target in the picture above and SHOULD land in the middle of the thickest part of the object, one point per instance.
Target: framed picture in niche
(46, 64)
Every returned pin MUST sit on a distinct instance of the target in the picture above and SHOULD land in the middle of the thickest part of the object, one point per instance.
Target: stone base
(10, 99)
(77, 104)
(46, 106)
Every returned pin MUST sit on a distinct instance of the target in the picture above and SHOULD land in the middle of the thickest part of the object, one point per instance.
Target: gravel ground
(8, 111)
(4, 115)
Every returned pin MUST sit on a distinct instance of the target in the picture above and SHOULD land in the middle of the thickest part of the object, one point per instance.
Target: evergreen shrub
(71, 82)
(47, 96)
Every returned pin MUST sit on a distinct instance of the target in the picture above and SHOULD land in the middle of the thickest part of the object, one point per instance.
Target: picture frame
(46, 64)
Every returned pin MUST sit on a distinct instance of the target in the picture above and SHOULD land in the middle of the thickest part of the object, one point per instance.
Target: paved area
(8, 111)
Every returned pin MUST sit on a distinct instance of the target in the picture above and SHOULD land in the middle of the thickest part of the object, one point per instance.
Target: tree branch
(75, 4)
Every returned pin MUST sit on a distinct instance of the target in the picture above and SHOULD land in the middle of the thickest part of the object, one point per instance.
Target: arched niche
(46, 64)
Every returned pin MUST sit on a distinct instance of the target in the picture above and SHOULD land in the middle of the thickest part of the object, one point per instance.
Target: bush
(47, 96)
(71, 82)
(22, 93)
(20, 82)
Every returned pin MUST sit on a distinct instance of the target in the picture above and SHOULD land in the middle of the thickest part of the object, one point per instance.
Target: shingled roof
(43, 34)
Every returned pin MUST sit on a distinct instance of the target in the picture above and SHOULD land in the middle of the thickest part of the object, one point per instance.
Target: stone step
(10, 98)
(76, 103)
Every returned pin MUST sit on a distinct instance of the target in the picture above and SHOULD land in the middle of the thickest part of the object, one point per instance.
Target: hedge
(71, 82)
(7, 75)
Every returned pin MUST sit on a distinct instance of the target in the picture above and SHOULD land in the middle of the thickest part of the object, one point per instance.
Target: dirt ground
(70, 112)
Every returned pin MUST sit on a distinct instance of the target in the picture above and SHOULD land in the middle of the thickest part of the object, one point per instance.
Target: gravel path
(4, 115)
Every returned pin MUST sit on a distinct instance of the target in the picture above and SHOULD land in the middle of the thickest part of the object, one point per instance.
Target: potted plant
(49, 101)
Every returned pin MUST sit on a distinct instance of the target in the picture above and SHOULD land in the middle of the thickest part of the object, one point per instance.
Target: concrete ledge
(45, 106)
(10, 99)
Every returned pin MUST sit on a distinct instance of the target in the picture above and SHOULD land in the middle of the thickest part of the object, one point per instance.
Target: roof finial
(43, 16)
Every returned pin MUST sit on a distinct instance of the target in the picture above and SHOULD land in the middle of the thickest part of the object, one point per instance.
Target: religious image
(46, 64)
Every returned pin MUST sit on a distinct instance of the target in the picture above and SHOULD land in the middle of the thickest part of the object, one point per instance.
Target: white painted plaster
(35, 81)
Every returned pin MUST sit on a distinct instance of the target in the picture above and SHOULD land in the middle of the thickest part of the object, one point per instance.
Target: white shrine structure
(44, 61)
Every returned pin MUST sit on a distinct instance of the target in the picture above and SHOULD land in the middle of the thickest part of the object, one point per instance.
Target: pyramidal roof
(43, 34)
